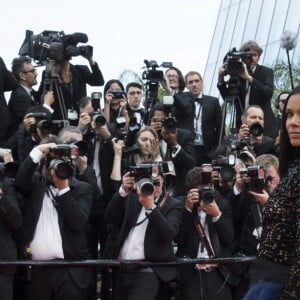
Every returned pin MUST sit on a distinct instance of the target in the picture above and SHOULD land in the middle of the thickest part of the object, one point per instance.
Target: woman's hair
(287, 151)
(110, 82)
(181, 83)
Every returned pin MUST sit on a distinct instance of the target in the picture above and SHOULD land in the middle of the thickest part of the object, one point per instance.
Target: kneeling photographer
(148, 218)
(206, 231)
(55, 214)
(253, 128)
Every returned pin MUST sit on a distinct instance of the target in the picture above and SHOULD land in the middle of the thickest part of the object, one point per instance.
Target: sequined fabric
(280, 241)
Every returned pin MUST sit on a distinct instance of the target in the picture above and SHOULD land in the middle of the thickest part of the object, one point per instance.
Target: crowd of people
(148, 180)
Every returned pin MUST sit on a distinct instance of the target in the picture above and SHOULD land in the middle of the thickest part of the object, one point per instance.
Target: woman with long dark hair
(276, 273)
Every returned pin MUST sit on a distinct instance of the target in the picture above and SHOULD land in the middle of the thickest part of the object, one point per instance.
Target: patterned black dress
(280, 242)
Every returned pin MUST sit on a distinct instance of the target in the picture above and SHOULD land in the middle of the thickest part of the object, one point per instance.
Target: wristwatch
(175, 148)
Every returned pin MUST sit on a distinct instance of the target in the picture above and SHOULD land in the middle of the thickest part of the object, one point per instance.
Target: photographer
(7, 83)
(253, 127)
(209, 214)
(10, 221)
(115, 102)
(24, 97)
(250, 194)
(35, 128)
(148, 219)
(71, 85)
(55, 213)
(253, 84)
(176, 144)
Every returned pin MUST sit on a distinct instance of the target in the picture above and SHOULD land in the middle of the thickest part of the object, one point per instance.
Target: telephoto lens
(62, 169)
(256, 129)
(146, 186)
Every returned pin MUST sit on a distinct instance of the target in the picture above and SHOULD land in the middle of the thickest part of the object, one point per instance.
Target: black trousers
(135, 285)
(53, 283)
(205, 286)
(6, 286)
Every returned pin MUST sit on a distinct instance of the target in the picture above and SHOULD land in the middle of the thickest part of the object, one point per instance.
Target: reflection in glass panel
(208, 78)
(225, 3)
(278, 21)
(253, 17)
(217, 38)
(240, 24)
(231, 19)
(265, 22)
(271, 53)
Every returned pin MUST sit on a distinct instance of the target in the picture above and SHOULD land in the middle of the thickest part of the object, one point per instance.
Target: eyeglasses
(30, 71)
(135, 92)
(172, 76)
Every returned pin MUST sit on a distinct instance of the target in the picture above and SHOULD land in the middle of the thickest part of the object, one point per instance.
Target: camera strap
(203, 238)
(51, 196)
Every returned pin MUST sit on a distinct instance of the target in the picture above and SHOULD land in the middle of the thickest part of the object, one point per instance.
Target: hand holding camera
(192, 199)
(84, 121)
(261, 198)
(212, 209)
(48, 98)
(127, 182)
(118, 146)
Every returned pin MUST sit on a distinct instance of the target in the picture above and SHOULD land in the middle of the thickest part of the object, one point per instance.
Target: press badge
(72, 114)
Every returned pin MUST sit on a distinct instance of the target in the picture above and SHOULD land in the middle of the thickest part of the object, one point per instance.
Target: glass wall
(242, 20)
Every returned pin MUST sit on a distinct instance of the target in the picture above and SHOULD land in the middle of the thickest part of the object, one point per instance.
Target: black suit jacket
(221, 235)
(73, 210)
(161, 230)
(211, 117)
(7, 83)
(18, 104)
(81, 75)
(262, 88)
(10, 220)
(184, 160)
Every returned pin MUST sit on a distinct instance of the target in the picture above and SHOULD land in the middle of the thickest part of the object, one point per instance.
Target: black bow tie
(138, 111)
(199, 100)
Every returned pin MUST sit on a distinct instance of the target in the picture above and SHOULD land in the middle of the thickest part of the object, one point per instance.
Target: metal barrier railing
(128, 263)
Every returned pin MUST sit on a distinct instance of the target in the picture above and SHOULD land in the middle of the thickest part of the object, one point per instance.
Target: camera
(39, 115)
(141, 171)
(118, 94)
(8, 169)
(225, 166)
(54, 45)
(152, 74)
(170, 124)
(206, 194)
(98, 118)
(62, 168)
(256, 129)
(65, 150)
(256, 177)
(233, 61)
(95, 100)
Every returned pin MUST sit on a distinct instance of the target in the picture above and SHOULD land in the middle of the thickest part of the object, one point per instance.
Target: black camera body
(152, 74)
(64, 151)
(141, 171)
(234, 61)
(225, 166)
(54, 45)
(256, 177)
(118, 94)
(95, 100)
(206, 194)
